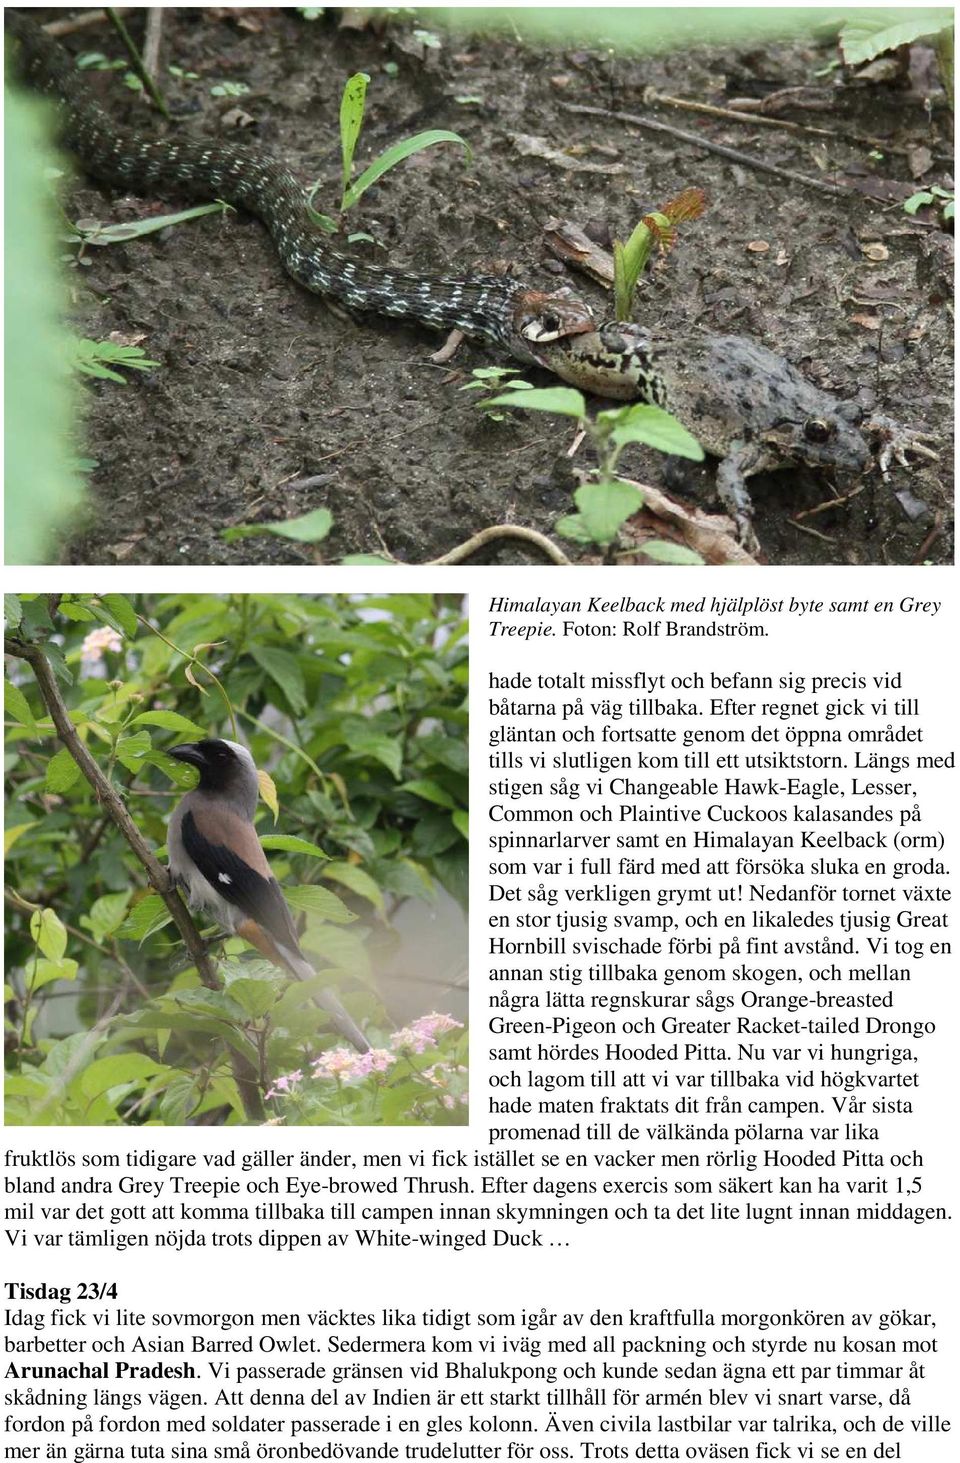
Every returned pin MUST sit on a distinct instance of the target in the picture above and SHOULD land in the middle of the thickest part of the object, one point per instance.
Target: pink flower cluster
(93, 647)
(346, 1064)
(423, 1033)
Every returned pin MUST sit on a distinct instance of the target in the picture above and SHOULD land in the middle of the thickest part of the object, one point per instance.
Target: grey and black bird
(218, 860)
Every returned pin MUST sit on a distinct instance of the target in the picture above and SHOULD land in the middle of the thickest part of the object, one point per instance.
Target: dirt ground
(267, 405)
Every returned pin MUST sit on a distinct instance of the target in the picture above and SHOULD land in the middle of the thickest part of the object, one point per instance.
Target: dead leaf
(711, 535)
(876, 253)
(528, 146)
(758, 246)
(919, 161)
(868, 322)
(568, 242)
(125, 547)
(118, 337)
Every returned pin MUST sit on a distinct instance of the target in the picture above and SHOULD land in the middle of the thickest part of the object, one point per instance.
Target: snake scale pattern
(533, 326)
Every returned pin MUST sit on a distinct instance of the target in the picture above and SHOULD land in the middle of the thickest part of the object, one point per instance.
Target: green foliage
(309, 528)
(42, 486)
(605, 502)
(90, 358)
(352, 108)
(868, 34)
(934, 194)
(94, 233)
(355, 707)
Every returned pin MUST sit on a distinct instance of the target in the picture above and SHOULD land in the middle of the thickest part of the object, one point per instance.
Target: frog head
(828, 437)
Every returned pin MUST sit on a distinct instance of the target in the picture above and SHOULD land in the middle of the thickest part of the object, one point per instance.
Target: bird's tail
(340, 1019)
(293, 960)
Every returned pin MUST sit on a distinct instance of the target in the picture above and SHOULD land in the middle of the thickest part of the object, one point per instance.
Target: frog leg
(741, 460)
(896, 441)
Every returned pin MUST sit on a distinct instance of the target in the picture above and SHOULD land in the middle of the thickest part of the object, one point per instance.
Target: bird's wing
(228, 854)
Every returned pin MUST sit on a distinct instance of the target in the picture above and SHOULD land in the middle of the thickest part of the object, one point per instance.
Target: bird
(218, 860)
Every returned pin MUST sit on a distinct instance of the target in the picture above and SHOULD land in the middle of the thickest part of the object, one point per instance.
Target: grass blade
(396, 154)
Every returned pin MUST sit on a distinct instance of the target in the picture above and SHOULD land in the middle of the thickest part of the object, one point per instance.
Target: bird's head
(224, 767)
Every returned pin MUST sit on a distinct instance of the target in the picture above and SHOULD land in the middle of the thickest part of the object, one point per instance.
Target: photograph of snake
(273, 392)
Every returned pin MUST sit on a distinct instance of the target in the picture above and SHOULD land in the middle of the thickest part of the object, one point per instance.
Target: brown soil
(267, 405)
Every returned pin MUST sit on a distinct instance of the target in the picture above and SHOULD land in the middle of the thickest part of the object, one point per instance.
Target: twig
(152, 37)
(136, 62)
(86, 21)
(498, 531)
(110, 800)
(757, 119)
(191, 659)
(647, 123)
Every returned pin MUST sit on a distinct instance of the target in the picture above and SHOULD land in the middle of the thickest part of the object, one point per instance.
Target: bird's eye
(816, 430)
(551, 323)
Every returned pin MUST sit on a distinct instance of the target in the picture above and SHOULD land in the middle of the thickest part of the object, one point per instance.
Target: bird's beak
(188, 752)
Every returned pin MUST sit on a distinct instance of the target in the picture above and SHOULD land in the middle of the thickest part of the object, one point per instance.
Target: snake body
(535, 327)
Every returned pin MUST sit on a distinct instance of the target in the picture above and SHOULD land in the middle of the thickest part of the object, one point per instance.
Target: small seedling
(309, 528)
(352, 108)
(96, 357)
(605, 501)
(495, 378)
(655, 229)
(229, 89)
(934, 194)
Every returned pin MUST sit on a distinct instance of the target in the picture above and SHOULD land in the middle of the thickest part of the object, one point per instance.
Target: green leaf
(106, 915)
(357, 880)
(62, 772)
(284, 843)
(51, 970)
(605, 506)
(461, 820)
(104, 234)
(123, 614)
(107, 1072)
(573, 527)
(397, 154)
(425, 787)
(90, 358)
(132, 749)
(310, 528)
(351, 120)
(560, 399)
(666, 553)
(312, 899)
(10, 835)
(12, 611)
(285, 670)
(145, 918)
(255, 996)
(871, 33)
(16, 705)
(654, 427)
(171, 721)
(48, 933)
(917, 200)
(340, 947)
(382, 749)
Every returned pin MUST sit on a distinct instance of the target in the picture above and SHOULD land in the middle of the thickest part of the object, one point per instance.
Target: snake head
(539, 319)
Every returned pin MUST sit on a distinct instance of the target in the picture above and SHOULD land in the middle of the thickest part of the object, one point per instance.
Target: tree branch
(113, 805)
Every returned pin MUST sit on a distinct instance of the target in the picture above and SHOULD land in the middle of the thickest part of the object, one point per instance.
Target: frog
(744, 403)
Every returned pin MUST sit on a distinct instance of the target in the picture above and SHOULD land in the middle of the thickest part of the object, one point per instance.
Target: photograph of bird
(218, 861)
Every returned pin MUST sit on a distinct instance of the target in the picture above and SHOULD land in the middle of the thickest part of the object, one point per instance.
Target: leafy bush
(355, 711)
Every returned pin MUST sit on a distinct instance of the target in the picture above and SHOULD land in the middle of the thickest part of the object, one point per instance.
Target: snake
(555, 330)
